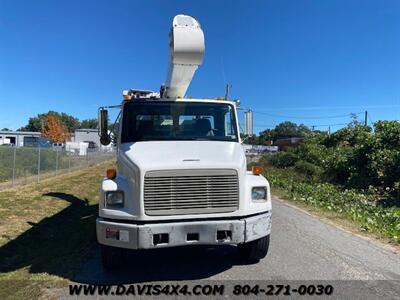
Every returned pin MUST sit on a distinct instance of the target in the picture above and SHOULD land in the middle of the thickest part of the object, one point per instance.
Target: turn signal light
(111, 173)
(257, 170)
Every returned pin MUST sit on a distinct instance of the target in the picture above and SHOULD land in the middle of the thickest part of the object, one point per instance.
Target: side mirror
(105, 138)
(248, 123)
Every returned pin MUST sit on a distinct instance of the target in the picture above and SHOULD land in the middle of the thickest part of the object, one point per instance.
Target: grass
(46, 231)
(330, 216)
(352, 209)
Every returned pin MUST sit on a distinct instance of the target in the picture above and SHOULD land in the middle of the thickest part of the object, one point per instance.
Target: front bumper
(159, 235)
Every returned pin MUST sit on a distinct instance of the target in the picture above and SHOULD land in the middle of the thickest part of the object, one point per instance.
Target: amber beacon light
(111, 173)
(257, 170)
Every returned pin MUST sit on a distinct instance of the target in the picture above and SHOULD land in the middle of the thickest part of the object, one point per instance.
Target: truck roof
(205, 100)
(197, 100)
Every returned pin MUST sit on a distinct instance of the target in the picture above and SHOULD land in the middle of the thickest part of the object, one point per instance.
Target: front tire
(254, 250)
(112, 257)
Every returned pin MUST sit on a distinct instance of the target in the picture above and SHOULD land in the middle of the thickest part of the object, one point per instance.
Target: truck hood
(169, 155)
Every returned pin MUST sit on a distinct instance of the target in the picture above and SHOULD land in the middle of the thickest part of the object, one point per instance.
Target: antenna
(227, 90)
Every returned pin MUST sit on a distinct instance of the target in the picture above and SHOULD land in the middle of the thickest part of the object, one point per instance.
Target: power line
(304, 108)
(270, 126)
(327, 125)
(266, 126)
(319, 125)
(310, 118)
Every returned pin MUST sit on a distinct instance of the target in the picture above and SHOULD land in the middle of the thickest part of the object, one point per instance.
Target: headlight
(259, 193)
(115, 198)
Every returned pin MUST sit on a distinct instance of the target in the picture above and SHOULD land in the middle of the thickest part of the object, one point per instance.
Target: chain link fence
(22, 165)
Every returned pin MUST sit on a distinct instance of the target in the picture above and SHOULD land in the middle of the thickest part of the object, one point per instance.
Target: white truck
(181, 176)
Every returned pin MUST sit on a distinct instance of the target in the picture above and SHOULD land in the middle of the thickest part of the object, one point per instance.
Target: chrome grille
(179, 192)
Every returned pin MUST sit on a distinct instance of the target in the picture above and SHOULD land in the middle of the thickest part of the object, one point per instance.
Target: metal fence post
(38, 169)
(69, 162)
(56, 162)
(13, 174)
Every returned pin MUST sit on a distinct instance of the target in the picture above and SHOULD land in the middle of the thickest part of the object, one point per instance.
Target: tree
(285, 129)
(6, 129)
(35, 123)
(288, 129)
(55, 130)
(70, 122)
(89, 123)
(251, 140)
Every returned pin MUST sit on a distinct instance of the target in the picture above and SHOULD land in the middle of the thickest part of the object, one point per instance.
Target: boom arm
(186, 54)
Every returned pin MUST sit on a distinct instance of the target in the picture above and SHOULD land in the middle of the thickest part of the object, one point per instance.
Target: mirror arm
(245, 138)
(105, 138)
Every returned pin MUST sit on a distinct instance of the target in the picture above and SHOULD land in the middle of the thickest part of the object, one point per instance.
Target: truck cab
(180, 179)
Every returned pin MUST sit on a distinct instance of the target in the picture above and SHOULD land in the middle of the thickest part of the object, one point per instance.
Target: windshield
(161, 120)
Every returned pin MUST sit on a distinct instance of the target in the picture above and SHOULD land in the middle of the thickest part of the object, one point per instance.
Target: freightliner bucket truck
(181, 176)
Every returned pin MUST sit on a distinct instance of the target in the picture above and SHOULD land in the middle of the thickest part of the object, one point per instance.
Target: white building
(86, 140)
(87, 136)
(259, 149)
(19, 138)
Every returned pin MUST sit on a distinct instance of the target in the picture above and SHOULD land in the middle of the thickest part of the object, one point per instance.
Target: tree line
(57, 126)
(285, 129)
(69, 122)
(356, 156)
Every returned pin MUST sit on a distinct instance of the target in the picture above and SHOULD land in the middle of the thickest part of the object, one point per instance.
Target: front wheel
(254, 250)
(112, 257)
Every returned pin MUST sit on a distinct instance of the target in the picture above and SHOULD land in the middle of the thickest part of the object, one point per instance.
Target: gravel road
(302, 248)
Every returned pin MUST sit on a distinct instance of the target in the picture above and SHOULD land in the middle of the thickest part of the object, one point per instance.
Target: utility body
(181, 176)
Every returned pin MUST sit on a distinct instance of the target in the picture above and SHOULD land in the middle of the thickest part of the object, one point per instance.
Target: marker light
(257, 170)
(111, 173)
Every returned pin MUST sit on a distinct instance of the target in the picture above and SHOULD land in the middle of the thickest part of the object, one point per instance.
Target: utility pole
(329, 130)
(366, 119)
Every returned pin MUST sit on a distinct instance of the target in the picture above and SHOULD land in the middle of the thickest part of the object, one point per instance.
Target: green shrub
(388, 134)
(348, 136)
(311, 152)
(360, 169)
(360, 207)
(283, 159)
(308, 169)
(353, 157)
(396, 190)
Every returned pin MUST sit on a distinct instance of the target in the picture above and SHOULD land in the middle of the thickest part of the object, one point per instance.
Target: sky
(305, 61)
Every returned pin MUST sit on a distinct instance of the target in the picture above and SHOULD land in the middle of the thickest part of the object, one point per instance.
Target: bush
(360, 207)
(348, 136)
(388, 134)
(353, 157)
(311, 152)
(283, 159)
(360, 169)
(309, 170)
